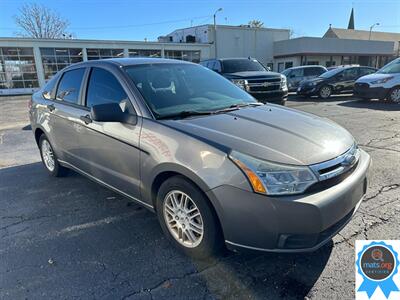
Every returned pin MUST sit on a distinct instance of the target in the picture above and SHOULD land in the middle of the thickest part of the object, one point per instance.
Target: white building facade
(233, 41)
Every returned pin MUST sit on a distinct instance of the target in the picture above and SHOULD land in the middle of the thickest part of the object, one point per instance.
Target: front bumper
(272, 96)
(297, 223)
(365, 91)
(306, 90)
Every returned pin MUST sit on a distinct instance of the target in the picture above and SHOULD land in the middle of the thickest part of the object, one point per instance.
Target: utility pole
(215, 32)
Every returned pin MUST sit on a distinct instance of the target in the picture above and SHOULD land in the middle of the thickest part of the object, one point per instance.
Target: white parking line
(88, 225)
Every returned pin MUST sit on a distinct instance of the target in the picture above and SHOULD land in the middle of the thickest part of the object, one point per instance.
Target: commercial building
(232, 41)
(26, 64)
(338, 47)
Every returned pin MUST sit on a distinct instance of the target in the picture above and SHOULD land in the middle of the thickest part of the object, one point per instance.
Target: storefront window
(93, 54)
(56, 59)
(187, 55)
(17, 68)
(144, 53)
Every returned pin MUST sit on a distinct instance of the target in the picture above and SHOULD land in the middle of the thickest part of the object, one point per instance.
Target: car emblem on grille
(349, 160)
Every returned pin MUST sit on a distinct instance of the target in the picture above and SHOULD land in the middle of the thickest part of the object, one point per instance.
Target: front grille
(361, 86)
(334, 171)
(263, 85)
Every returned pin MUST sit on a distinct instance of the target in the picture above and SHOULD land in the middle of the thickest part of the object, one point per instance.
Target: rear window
(70, 86)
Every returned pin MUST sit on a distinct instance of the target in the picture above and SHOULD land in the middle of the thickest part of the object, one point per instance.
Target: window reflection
(17, 68)
(93, 54)
(56, 59)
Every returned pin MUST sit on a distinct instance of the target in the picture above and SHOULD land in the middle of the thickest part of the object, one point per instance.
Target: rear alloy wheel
(49, 158)
(394, 95)
(188, 219)
(325, 92)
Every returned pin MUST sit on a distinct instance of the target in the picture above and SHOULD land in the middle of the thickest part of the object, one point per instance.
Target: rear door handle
(86, 119)
(51, 107)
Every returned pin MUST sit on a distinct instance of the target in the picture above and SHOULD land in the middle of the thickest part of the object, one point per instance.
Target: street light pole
(215, 31)
(370, 30)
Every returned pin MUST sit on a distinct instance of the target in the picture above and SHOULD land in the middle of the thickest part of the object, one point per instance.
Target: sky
(148, 19)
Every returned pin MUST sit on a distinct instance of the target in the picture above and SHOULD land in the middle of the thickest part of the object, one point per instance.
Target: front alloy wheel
(183, 219)
(325, 92)
(188, 219)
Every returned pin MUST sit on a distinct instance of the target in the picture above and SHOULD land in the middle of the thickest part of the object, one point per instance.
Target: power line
(126, 26)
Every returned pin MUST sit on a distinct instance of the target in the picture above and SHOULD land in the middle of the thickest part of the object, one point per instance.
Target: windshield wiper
(185, 114)
(237, 106)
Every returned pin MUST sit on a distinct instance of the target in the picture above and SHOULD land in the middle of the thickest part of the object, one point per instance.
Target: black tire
(391, 96)
(325, 92)
(58, 170)
(212, 241)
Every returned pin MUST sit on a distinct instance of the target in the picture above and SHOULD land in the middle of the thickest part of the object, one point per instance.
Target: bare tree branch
(256, 24)
(40, 22)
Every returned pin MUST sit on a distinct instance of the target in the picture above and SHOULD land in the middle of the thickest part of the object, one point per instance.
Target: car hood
(373, 77)
(271, 132)
(252, 74)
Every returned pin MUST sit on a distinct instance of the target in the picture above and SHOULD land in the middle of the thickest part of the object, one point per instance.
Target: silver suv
(216, 166)
(296, 75)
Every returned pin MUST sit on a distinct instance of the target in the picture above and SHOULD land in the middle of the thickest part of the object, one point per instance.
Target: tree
(40, 22)
(256, 24)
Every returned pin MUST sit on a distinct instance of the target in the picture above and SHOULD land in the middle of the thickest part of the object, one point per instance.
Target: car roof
(308, 66)
(123, 62)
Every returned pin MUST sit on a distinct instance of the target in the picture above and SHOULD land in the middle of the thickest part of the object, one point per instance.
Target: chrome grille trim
(338, 165)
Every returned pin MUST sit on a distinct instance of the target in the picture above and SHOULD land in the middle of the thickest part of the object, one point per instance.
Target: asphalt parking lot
(65, 238)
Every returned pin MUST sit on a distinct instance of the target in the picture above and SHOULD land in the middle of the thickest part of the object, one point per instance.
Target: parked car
(251, 76)
(218, 167)
(384, 84)
(336, 81)
(296, 75)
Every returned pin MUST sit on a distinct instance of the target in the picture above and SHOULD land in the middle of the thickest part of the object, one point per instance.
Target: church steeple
(351, 21)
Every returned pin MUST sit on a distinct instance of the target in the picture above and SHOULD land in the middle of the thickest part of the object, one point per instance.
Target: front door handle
(51, 107)
(86, 119)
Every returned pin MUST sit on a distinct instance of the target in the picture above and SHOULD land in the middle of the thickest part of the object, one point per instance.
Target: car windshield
(173, 89)
(331, 73)
(241, 65)
(286, 72)
(391, 68)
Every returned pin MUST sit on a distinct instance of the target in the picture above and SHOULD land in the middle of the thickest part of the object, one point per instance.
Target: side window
(70, 86)
(297, 73)
(310, 72)
(350, 74)
(104, 88)
(48, 89)
(217, 66)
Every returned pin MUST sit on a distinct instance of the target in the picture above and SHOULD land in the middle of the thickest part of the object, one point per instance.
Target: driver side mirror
(111, 112)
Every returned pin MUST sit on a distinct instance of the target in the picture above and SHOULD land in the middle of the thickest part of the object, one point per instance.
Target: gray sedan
(218, 168)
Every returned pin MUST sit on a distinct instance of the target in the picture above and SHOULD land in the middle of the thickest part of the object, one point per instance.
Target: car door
(109, 151)
(296, 76)
(349, 77)
(65, 113)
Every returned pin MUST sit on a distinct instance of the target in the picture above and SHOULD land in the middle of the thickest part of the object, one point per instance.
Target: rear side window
(70, 86)
(313, 71)
(104, 88)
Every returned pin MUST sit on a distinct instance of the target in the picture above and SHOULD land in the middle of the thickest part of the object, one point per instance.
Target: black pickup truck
(250, 75)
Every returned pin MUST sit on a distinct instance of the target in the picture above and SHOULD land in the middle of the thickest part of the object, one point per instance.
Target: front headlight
(384, 80)
(274, 179)
(239, 82)
(283, 81)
